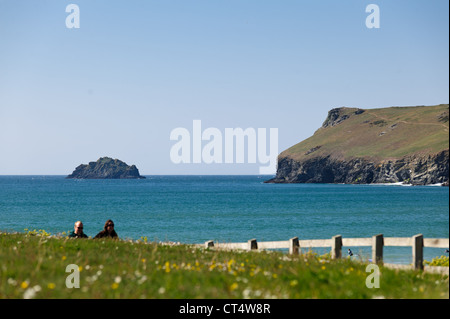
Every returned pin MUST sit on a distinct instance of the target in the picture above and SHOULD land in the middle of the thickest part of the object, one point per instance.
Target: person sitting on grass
(77, 231)
(108, 231)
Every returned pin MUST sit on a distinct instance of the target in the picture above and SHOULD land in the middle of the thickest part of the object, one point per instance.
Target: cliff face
(413, 170)
(106, 168)
(389, 146)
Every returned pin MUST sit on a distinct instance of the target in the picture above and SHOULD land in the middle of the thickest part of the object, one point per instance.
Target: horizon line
(147, 175)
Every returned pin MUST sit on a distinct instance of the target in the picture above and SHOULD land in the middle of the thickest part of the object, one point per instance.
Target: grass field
(33, 265)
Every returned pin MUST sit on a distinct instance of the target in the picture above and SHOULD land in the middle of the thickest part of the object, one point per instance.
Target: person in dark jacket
(108, 231)
(77, 231)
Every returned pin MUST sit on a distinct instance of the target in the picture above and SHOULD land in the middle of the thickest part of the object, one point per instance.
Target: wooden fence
(377, 242)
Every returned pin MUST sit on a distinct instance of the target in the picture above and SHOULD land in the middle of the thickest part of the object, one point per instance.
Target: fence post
(417, 251)
(336, 247)
(294, 246)
(377, 249)
(252, 244)
(209, 243)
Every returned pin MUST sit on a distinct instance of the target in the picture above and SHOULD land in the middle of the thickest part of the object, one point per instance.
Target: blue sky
(136, 70)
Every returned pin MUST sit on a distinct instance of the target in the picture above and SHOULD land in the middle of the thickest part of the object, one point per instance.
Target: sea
(195, 209)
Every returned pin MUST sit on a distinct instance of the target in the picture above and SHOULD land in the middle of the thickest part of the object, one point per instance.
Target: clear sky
(135, 70)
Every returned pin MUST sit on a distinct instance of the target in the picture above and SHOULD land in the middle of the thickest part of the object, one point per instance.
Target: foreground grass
(34, 266)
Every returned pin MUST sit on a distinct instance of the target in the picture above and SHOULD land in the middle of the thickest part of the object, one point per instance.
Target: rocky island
(106, 168)
(407, 145)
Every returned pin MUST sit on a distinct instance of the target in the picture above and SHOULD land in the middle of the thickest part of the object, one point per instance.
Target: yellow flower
(143, 260)
(51, 285)
(115, 285)
(294, 283)
(234, 286)
(24, 285)
(64, 258)
(167, 266)
(323, 267)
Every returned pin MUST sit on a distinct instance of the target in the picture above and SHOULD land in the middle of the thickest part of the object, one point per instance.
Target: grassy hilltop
(378, 134)
(385, 145)
(33, 265)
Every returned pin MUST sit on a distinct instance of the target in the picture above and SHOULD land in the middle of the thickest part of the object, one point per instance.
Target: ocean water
(194, 209)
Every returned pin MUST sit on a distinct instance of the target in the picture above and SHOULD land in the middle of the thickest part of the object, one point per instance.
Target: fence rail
(377, 242)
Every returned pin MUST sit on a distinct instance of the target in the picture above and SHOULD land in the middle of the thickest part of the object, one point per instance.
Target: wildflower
(51, 285)
(30, 293)
(234, 286)
(293, 283)
(12, 282)
(167, 266)
(142, 280)
(246, 293)
(64, 258)
(118, 279)
(24, 285)
(115, 286)
(91, 279)
(161, 290)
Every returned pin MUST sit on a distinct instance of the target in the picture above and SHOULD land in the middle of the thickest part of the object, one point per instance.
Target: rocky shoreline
(412, 170)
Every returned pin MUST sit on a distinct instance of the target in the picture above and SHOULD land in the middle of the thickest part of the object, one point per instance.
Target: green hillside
(377, 134)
